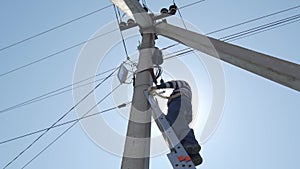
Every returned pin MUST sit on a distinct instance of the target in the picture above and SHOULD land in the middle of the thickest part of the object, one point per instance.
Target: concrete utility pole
(137, 145)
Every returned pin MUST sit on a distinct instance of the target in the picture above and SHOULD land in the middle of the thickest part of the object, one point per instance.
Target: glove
(151, 89)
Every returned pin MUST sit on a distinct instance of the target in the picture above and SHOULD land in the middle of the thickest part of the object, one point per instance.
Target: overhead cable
(56, 92)
(53, 28)
(63, 124)
(191, 4)
(123, 40)
(263, 30)
(57, 121)
(71, 47)
(65, 131)
(56, 53)
(261, 27)
(255, 19)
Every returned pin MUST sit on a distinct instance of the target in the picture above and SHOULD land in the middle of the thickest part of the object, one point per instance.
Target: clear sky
(259, 126)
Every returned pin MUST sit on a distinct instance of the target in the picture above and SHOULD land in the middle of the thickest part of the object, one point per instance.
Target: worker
(180, 116)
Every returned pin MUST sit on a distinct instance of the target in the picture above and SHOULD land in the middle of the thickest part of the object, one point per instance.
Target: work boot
(190, 143)
(192, 148)
(196, 159)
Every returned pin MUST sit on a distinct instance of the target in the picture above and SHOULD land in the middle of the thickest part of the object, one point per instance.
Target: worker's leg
(186, 108)
(179, 116)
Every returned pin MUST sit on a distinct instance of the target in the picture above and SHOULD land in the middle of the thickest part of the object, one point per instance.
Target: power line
(182, 20)
(44, 149)
(252, 20)
(123, 40)
(191, 4)
(53, 28)
(180, 54)
(170, 46)
(261, 27)
(76, 45)
(178, 51)
(56, 53)
(47, 95)
(64, 115)
(63, 124)
(264, 30)
(243, 34)
(56, 92)
(74, 123)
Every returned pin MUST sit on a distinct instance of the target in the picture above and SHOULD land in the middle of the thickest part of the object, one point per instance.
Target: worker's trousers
(179, 116)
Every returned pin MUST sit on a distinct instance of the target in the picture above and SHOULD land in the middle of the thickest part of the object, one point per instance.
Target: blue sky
(259, 126)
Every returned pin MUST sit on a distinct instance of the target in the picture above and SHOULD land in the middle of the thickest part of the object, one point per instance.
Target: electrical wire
(243, 34)
(248, 33)
(182, 20)
(179, 54)
(249, 21)
(123, 40)
(261, 27)
(252, 20)
(170, 46)
(191, 4)
(74, 123)
(53, 28)
(260, 31)
(64, 50)
(76, 45)
(56, 53)
(56, 92)
(180, 15)
(181, 50)
(63, 124)
(57, 121)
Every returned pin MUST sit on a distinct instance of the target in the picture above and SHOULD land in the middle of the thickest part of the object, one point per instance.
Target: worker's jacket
(179, 107)
(179, 86)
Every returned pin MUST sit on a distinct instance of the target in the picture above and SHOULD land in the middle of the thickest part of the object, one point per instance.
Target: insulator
(172, 9)
(130, 21)
(122, 24)
(164, 11)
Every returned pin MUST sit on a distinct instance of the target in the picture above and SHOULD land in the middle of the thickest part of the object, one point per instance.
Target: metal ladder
(178, 157)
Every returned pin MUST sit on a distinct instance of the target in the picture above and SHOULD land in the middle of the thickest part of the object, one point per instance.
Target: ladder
(178, 157)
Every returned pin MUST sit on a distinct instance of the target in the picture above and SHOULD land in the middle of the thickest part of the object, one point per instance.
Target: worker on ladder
(180, 116)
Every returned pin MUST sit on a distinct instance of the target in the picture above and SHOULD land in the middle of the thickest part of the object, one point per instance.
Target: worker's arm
(170, 84)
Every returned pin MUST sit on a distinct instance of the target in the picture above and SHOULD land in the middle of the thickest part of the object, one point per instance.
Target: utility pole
(137, 146)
